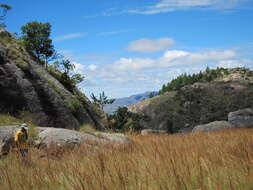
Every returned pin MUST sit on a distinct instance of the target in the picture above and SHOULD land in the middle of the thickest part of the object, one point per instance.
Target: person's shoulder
(18, 132)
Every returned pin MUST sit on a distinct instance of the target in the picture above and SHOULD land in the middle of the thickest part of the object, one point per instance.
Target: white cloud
(150, 45)
(92, 67)
(115, 32)
(69, 36)
(130, 64)
(129, 75)
(173, 5)
(173, 58)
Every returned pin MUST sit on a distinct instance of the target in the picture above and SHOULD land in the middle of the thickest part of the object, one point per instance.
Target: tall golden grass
(199, 161)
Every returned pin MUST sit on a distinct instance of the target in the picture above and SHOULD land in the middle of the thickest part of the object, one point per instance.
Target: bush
(86, 128)
(62, 72)
(122, 120)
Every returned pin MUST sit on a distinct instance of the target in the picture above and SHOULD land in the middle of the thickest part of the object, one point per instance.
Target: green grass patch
(86, 128)
(8, 120)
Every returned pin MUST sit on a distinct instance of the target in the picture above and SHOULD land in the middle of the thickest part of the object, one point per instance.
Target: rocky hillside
(25, 86)
(199, 103)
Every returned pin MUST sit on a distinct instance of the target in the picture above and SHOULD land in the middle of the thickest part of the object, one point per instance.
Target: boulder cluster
(238, 119)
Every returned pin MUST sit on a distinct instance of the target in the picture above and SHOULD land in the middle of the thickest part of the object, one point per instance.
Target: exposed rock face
(241, 118)
(146, 132)
(2, 55)
(214, 126)
(27, 86)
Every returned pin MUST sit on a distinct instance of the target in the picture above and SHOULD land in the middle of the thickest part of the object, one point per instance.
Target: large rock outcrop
(213, 126)
(25, 86)
(241, 118)
(238, 119)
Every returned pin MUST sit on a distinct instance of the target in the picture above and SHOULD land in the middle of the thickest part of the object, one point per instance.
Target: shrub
(122, 120)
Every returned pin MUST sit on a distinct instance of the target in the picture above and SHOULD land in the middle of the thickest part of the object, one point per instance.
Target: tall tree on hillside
(3, 11)
(36, 37)
(102, 100)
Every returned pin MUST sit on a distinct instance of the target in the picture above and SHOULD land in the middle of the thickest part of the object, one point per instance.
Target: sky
(126, 47)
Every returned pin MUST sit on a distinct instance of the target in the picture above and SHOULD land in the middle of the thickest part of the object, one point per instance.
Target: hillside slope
(199, 103)
(26, 86)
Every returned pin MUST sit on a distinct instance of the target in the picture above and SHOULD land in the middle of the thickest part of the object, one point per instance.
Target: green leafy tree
(122, 120)
(63, 71)
(36, 37)
(101, 100)
(3, 11)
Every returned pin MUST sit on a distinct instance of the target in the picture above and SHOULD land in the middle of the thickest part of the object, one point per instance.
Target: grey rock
(214, 126)
(64, 137)
(146, 132)
(70, 138)
(2, 54)
(7, 138)
(241, 118)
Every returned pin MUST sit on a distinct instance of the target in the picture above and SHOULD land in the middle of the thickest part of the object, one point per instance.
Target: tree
(102, 100)
(4, 9)
(65, 69)
(65, 66)
(36, 37)
(152, 94)
(124, 120)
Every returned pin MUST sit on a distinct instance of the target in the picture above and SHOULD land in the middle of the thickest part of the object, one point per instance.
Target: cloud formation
(129, 75)
(69, 36)
(173, 58)
(174, 5)
(115, 32)
(151, 45)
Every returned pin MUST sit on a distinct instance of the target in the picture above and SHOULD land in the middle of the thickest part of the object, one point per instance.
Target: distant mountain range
(127, 101)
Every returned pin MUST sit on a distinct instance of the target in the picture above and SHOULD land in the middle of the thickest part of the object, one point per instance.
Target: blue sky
(124, 47)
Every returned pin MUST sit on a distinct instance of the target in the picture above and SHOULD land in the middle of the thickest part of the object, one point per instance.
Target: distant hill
(127, 101)
(190, 100)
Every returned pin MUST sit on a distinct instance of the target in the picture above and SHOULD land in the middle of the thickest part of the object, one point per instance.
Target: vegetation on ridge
(207, 76)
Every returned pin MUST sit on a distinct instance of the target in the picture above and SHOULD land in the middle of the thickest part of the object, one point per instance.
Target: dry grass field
(200, 161)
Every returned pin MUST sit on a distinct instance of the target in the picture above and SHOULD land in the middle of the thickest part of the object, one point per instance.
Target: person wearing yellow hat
(21, 138)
